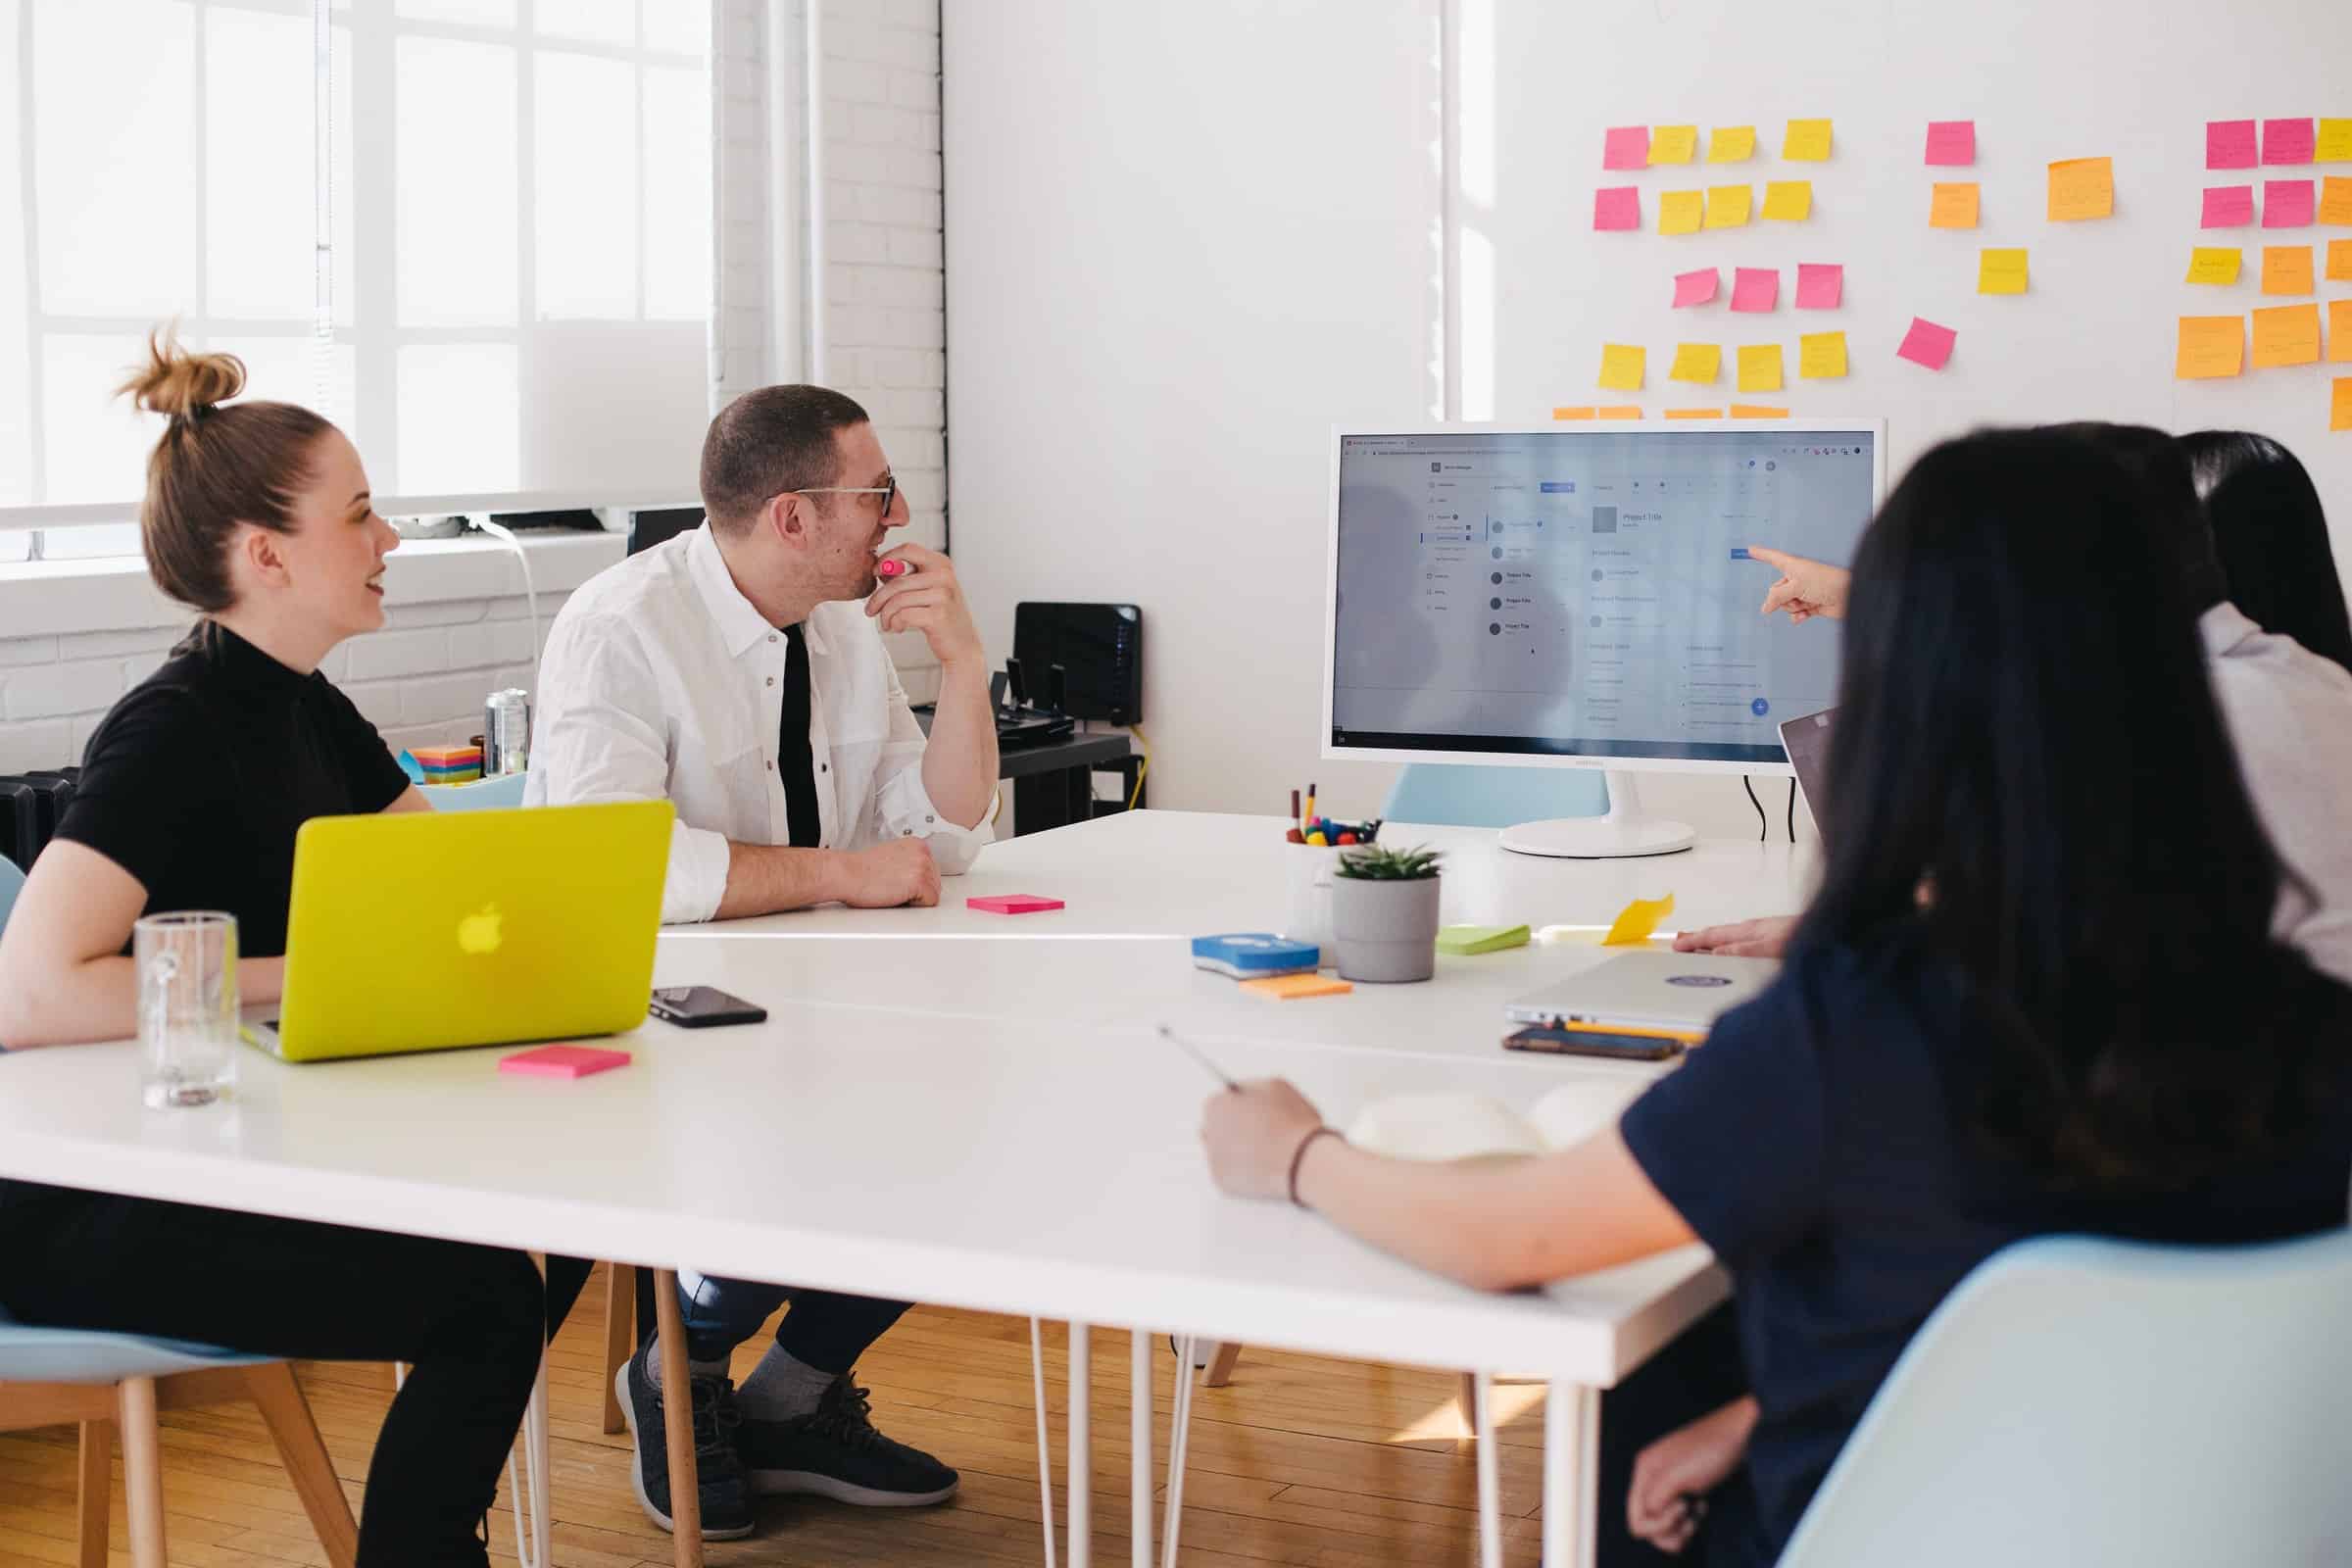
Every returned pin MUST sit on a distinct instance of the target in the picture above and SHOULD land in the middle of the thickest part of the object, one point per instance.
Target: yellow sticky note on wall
(2287, 270)
(1953, 205)
(1760, 367)
(2081, 187)
(2339, 332)
(1673, 144)
(2339, 261)
(1807, 141)
(1728, 206)
(1622, 366)
(1788, 201)
(1696, 362)
(2211, 346)
(2215, 263)
(1732, 144)
(2335, 201)
(1680, 212)
(1820, 356)
(1636, 920)
(2001, 272)
(2287, 334)
(2335, 144)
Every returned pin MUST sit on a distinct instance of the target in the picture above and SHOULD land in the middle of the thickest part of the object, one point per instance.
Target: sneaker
(834, 1452)
(718, 1469)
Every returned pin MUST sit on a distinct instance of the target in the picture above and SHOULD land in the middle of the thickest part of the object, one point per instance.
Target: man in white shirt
(734, 672)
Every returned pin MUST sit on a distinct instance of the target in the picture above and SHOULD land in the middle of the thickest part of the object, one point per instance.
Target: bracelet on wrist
(1299, 1158)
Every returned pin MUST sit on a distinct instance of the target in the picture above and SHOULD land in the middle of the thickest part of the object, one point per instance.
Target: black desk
(1053, 784)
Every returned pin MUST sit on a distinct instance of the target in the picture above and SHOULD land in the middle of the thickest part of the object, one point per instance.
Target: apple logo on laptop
(479, 932)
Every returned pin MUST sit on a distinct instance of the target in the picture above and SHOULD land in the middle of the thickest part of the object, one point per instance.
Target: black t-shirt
(1820, 1144)
(197, 780)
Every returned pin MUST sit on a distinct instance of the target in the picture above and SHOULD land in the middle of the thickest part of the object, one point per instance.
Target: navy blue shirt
(1822, 1144)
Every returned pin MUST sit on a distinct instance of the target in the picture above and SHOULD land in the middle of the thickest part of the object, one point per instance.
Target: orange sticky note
(1638, 919)
(2287, 334)
(2335, 201)
(1696, 362)
(1694, 413)
(1732, 144)
(2081, 187)
(2211, 346)
(1622, 366)
(2339, 332)
(2214, 264)
(1953, 205)
(1585, 412)
(2339, 261)
(1760, 367)
(1820, 356)
(2001, 272)
(1680, 212)
(1728, 206)
(1292, 987)
(2339, 413)
(1620, 411)
(1807, 141)
(1788, 201)
(2287, 270)
(1673, 144)
(1757, 411)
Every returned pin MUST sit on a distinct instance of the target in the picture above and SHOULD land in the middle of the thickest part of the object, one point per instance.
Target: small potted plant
(1383, 913)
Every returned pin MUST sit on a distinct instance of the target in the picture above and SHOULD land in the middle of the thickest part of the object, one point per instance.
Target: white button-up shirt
(661, 681)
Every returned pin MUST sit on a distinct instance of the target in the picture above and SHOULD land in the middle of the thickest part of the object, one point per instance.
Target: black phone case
(741, 1012)
(1580, 1043)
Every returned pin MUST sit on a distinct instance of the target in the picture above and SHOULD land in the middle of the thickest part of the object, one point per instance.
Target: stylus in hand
(1195, 1052)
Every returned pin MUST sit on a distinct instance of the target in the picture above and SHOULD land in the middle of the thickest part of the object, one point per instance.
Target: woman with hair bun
(257, 517)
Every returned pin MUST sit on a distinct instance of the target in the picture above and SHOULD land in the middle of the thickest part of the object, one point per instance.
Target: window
(519, 216)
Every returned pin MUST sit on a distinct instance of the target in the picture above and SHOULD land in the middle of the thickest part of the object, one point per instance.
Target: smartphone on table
(704, 1008)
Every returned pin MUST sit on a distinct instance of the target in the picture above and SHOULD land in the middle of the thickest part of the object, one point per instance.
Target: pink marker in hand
(893, 568)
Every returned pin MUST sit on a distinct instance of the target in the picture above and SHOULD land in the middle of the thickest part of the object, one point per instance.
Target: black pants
(470, 1319)
(1697, 1375)
(825, 1329)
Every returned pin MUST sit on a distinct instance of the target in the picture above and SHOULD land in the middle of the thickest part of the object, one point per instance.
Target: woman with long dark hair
(2038, 992)
(2272, 534)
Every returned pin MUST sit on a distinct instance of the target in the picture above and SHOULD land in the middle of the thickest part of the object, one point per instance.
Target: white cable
(531, 595)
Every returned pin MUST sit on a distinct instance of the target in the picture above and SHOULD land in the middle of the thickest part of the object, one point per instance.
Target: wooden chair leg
(96, 1491)
(620, 1334)
(393, 1376)
(299, 1448)
(678, 1420)
(1220, 1365)
(1465, 1403)
(142, 1470)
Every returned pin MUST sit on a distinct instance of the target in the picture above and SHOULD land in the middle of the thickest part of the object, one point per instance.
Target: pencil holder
(1309, 868)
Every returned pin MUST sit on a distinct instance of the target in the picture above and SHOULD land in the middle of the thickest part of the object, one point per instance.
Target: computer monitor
(1579, 596)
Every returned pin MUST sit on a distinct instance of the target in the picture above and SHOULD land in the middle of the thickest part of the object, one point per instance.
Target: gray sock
(781, 1386)
(695, 1368)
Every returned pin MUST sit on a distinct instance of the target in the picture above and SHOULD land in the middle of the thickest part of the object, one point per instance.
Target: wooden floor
(1300, 1460)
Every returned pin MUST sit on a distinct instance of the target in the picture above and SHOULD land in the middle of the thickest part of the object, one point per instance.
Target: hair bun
(180, 384)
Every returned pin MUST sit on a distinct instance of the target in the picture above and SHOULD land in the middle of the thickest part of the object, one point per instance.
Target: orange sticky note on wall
(1760, 367)
(2287, 270)
(1620, 411)
(2287, 334)
(1757, 411)
(1820, 356)
(2339, 332)
(2339, 413)
(1953, 205)
(2081, 187)
(1694, 413)
(1585, 412)
(2339, 261)
(1622, 366)
(2211, 346)
(2335, 201)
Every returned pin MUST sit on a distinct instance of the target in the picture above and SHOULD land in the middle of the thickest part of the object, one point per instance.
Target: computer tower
(1099, 649)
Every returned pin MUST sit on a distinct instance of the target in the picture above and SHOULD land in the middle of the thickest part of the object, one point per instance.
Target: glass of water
(187, 1008)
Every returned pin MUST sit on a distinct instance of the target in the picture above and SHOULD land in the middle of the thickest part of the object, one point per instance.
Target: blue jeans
(824, 1330)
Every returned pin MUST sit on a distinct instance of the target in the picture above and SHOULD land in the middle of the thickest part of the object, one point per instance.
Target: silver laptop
(1648, 991)
(1807, 742)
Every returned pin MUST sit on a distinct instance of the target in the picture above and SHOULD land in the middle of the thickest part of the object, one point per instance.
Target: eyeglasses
(888, 492)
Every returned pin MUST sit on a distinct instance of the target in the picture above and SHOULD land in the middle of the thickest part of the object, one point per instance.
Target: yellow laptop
(427, 930)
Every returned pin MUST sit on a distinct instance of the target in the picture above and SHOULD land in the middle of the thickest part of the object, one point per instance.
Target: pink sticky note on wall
(1617, 207)
(2229, 206)
(2230, 144)
(1756, 288)
(2287, 142)
(2288, 203)
(562, 1061)
(1820, 286)
(1695, 288)
(1927, 343)
(1951, 142)
(1626, 147)
(1013, 904)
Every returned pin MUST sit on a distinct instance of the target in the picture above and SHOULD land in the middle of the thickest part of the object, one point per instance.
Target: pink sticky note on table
(1617, 207)
(1951, 142)
(2288, 203)
(1626, 147)
(2229, 206)
(1695, 288)
(1820, 286)
(562, 1061)
(2287, 142)
(1756, 288)
(2230, 144)
(1927, 343)
(1013, 904)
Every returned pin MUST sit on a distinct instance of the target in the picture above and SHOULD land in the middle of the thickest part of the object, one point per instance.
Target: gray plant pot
(1384, 931)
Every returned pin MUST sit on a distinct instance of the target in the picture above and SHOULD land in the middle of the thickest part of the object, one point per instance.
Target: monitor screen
(1585, 593)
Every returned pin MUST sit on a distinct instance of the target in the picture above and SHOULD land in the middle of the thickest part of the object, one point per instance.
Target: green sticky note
(1469, 939)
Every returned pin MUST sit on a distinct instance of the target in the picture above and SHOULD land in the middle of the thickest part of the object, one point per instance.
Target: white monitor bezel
(1873, 428)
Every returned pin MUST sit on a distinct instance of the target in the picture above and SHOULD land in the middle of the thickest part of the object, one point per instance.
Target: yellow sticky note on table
(1757, 411)
(2287, 270)
(1636, 920)
(1620, 411)
(2335, 144)
(1732, 144)
(1694, 413)
(1788, 201)
(2339, 261)
(1953, 205)
(1696, 362)
(2340, 412)
(1820, 356)
(1673, 144)
(1728, 206)
(1292, 987)
(2339, 332)
(2287, 334)
(2335, 201)
(2211, 346)
(2081, 187)
(1622, 366)
(1680, 212)
(1807, 141)
(1760, 367)
(2001, 272)
(2215, 263)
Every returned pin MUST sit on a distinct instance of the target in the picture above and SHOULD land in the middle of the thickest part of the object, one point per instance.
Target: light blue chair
(12, 883)
(1449, 794)
(102, 1381)
(2107, 1404)
(501, 794)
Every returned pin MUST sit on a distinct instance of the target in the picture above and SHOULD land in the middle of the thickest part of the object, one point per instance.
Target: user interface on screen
(1585, 593)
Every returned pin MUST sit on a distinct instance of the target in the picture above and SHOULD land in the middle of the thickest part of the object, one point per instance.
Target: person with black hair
(2272, 535)
(2038, 992)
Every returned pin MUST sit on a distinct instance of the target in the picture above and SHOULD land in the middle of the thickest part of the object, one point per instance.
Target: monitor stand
(1625, 830)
